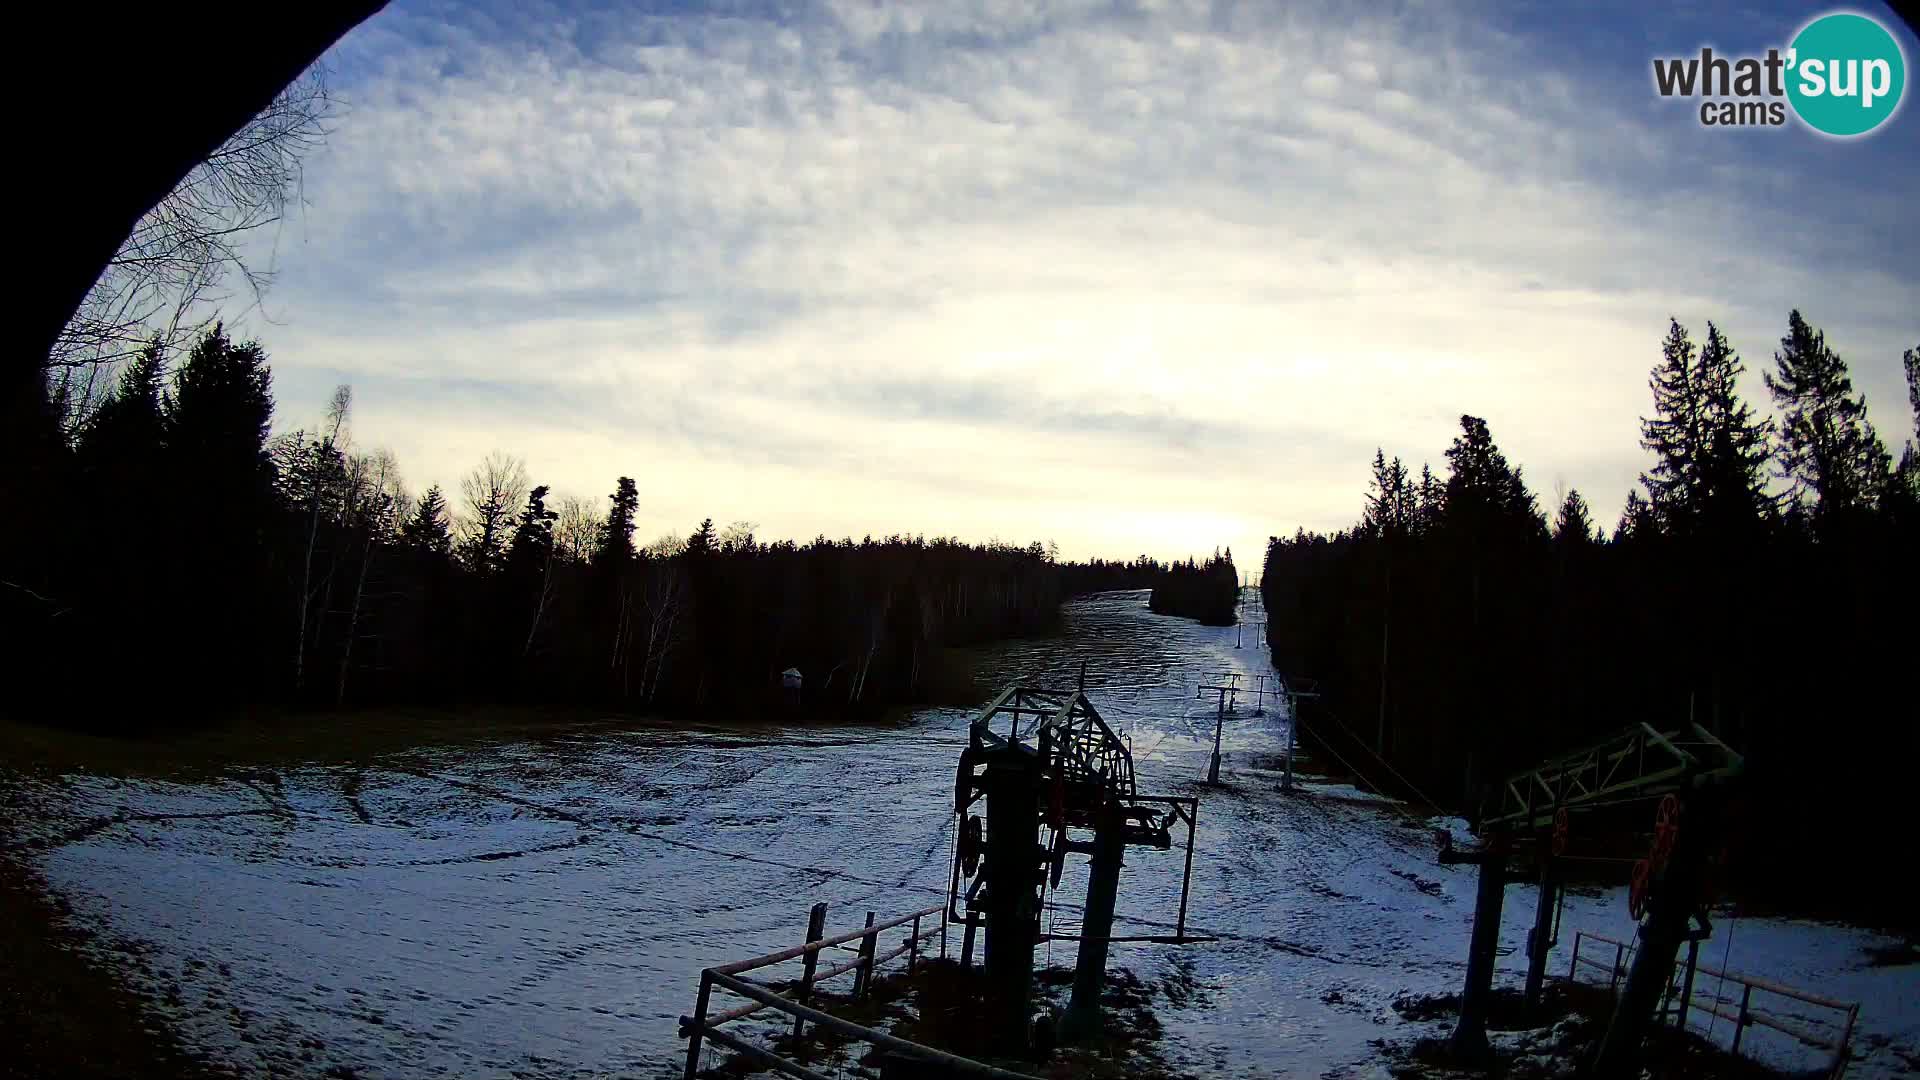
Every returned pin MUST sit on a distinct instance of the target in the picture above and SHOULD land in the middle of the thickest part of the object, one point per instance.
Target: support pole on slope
(1671, 900)
(1012, 782)
(1469, 1041)
(1219, 718)
(1540, 941)
(1082, 1021)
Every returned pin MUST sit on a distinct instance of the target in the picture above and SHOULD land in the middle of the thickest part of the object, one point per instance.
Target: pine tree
(1828, 449)
(128, 428)
(1739, 444)
(616, 540)
(1637, 521)
(1429, 501)
(702, 541)
(221, 409)
(1574, 525)
(427, 531)
(532, 543)
(1710, 451)
(1484, 493)
(1903, 488)
(1908, 462)
(1391, 502)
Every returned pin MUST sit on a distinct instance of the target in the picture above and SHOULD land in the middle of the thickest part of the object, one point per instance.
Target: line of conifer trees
(184, 559)
(1763, 581)
(1208, 591)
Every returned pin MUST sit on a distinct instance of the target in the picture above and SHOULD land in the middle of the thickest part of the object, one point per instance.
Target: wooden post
(816, 929)
(913, 945)
(1740, 1025)
(1619, 954)
(966, 943)
(1186, 877)
(863, 977)
(699, 1024)
(943, 933)
(1573, 966)
(1840, 1051)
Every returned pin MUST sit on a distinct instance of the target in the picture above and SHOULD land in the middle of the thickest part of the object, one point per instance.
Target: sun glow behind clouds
(1134, 281)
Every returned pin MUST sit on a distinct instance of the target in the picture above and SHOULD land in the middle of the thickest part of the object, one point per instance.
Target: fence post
(913, 945)
(1619, 958)
(816, 929)
(1740, 1025)
(1686, 989)
(699, 1023)
(863, 975)
(1840, 1052)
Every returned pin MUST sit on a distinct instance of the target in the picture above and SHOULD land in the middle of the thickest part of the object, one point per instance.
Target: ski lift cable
(1720, 990)
(1434, 806)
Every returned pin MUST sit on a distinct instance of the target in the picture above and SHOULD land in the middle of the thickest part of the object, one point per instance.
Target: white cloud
(1154, 280)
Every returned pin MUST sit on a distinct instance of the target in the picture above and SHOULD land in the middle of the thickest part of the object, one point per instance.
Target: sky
(1130, 277)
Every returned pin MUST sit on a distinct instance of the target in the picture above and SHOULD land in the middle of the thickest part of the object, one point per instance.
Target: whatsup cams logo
(1843, 75)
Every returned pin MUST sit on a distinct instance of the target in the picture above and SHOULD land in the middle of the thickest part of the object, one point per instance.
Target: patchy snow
(543, 908)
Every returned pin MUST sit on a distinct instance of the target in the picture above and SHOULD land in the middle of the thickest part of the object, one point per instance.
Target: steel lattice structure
(1639, 762)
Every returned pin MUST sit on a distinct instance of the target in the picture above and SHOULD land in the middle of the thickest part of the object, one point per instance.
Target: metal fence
(1684, 994)
(703, 1025)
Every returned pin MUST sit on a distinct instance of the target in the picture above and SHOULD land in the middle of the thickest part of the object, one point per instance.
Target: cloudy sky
(1128, 276)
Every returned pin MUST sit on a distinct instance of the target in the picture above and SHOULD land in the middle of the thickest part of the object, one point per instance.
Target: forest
(1208, 592)
(1762, 581)
(200, 562)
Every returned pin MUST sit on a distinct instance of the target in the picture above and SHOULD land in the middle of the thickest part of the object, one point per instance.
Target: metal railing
(1617, 970)
(1743, 1018)
(703, 1025)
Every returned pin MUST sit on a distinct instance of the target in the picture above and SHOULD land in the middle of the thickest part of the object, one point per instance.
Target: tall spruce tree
(1710, 451)
(219, 415)
(532, 543)
(616, 540)
(1574, 524)
(128, 428)
(1637, 520)
(1910, 461)
(1391, 501)
(427, 530)
(1828, 451)
(1485, 495)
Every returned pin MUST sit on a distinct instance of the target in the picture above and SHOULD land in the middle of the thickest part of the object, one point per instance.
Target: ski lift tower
(1045, 756)
(1683, 774)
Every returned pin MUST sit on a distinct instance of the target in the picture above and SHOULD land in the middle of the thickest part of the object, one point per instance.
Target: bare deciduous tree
(183, 257)
(373, 503)
(493, 491)
(577, 532)
(317, 473)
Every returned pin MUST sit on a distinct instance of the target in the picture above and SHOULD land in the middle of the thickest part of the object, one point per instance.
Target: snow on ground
(543, 908)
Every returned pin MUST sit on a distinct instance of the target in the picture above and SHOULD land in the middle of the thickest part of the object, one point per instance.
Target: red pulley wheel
(1637, 893)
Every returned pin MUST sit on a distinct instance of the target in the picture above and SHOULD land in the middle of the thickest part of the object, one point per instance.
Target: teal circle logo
(1845, 74)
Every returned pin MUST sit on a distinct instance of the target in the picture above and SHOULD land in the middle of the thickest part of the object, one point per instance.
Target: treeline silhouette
(1101, 575)
(182, 560)
(1209, 591)
(1761, 581)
